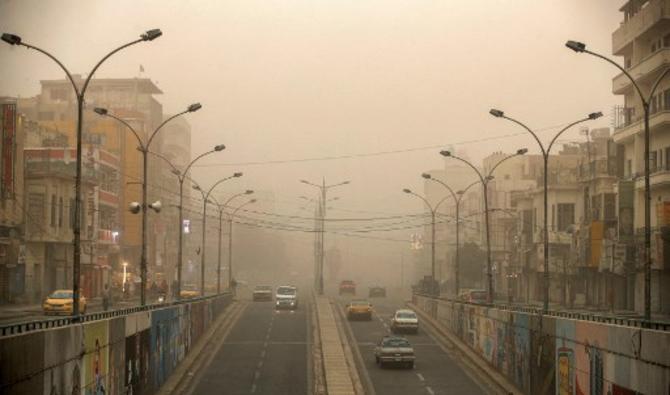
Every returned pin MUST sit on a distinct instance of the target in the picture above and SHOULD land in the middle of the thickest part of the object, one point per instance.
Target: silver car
(405, 320)
(394, 350)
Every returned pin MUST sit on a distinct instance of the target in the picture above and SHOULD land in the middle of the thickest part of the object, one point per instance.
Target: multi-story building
(643, 40)
(49, 202)
(12, 247)
(131, 99)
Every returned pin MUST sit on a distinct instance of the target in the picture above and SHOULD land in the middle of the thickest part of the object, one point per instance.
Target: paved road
(435, 372)
(266, 352)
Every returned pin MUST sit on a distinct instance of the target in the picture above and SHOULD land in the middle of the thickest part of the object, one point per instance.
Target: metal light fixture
(238, 174)
(151, 35)
(496, 113)
(219, 147)
(11, 39)
(445, 153)
(194, 107)
(576, 46)
(100, 111)
(426, 176)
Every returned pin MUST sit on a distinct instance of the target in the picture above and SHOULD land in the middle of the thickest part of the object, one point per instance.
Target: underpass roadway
(262, 351)
(437, 370)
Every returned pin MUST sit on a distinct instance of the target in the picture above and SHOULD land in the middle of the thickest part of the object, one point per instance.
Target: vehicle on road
(359, 309)
(189, 291)
(394, 350)
(405, 320)
(473, 295)
(286, 297)
(61, 302)
(347, 287)
(377, 292)
(262, 292)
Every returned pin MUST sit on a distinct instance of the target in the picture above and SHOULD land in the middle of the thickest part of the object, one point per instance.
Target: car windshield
(61, 295)
(263, 288)
(405, 314)
(285, 291)
(360, 303)
(188, 287)
(395, 342)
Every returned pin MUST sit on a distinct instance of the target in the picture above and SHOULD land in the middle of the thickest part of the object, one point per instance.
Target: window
(596, 207)
(629, 168)
(58, 94)
(628, 63)
(53, 210)
(566, 216)
(667, 158)
(553, 217)
(60, 212)
(35, 213)
(610, 206)
(666, 40)
(652, 161)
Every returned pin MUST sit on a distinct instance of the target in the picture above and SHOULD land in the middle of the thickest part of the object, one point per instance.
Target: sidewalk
(17, 311)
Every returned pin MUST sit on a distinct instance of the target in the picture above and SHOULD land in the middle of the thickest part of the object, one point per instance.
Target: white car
(286, 297)
(405, 320)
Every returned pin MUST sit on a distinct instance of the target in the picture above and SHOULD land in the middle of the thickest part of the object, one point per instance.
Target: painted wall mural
(556, 355)
(133, 354)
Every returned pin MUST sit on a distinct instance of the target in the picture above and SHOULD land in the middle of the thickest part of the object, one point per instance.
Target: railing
(29, 326)
(630, 322)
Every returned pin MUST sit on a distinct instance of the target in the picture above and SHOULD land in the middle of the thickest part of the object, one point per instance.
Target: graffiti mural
(96, 358)
(63, 344)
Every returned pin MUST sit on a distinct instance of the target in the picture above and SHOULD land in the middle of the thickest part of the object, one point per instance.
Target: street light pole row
(13, 39)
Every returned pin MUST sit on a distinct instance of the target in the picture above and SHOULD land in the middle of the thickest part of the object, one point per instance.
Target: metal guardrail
(594, 317)
(30, 326)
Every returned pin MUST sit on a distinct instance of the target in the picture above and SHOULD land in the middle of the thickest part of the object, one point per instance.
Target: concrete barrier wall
(552, 355)
(132, 354)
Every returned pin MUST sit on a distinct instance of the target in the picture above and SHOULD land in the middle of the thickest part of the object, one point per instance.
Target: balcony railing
(647, 17)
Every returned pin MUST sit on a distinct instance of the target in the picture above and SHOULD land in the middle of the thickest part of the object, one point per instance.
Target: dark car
(347, 287)
(394, 350)
(377, 292)
(262, 292)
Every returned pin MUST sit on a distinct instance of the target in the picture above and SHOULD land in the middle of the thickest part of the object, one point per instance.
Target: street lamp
(144, 149)
(545, 156)
(485, 181)
(182, 176)
(433, 210)
(231, 217)
(457, 196)
(13, 39)
(205, 196)
(646, 107)
(322, 209)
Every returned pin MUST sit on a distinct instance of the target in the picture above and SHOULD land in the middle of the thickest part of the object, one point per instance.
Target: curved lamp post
(144, 149)
(485, 183)
(205, 200)
(646, 107)
(322, 208)
(13, 39)
(182, 176)
(458, 196)
(433, 210)
(545, 157)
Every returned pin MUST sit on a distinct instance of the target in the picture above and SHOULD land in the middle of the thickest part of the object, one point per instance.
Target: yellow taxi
(60, 302)
(359, 309)
(189, 291)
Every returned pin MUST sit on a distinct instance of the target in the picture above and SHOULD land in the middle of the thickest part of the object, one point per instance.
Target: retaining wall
(128, 354)
(553, 355)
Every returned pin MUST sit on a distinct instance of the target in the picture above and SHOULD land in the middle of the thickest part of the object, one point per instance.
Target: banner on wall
(8, 149)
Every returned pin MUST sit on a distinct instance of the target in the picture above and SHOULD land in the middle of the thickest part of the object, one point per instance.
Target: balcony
(652, 13)
(106, 236)
(658, 177)
(647, 69)
(632, 127)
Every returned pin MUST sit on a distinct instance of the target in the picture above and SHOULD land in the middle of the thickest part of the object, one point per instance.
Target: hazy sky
(295, 79)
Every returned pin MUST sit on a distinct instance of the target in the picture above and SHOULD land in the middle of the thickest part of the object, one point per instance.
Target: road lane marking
(430, 391)
(263, 353)
(420, 376)
(260, 364)
(253, 388)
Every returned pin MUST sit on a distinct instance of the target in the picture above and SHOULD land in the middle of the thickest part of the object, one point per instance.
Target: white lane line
(263, 353)
(253, 388)
(260, 364)
(430, 391)
(257, 374)
(420, 376)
